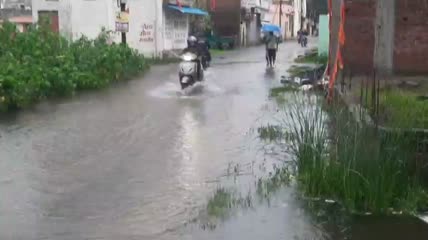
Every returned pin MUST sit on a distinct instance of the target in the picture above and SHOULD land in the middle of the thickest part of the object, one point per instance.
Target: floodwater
(141, 160)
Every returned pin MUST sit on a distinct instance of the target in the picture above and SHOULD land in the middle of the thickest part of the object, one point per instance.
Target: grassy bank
(337, 159)
(39, 64)
(403, 109)
(312, 58)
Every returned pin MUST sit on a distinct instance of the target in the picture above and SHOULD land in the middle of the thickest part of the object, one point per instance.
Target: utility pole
(280, 13)
(123, 9)
(302, 18)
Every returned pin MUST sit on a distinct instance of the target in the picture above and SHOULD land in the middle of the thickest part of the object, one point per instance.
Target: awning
(189, 10)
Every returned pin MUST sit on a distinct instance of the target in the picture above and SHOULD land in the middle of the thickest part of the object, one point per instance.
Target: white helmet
(192, 39)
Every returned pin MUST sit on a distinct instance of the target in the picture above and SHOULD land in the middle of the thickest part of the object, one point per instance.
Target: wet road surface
(138, 160)
(141, 159)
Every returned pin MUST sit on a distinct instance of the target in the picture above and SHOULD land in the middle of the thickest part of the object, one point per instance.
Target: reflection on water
(141, 160)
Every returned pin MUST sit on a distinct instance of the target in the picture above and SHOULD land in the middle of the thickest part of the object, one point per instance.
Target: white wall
(151, 29)
(64, 13)
(176, 30)
(298, 7)
(89, 17)
(145, 26)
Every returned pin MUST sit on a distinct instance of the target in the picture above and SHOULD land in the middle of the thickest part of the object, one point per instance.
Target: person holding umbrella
(271, 43)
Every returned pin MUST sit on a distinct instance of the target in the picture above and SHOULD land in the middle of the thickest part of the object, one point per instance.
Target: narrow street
(140, 160)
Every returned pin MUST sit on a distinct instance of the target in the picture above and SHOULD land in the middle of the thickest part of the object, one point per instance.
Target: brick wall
(411, 37)
(360, 35)
(226, 17)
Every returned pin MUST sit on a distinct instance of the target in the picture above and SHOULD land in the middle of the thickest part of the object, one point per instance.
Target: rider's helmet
(192, 41)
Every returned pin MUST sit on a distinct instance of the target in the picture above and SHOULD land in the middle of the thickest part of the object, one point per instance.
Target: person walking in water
(271, 42)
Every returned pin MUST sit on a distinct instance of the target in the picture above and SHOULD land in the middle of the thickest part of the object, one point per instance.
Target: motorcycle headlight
(187, 57)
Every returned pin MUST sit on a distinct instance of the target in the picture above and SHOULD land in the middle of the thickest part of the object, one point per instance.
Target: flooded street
(141, 160)
(137, 161)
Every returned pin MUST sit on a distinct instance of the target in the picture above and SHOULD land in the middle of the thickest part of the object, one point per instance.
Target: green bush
(39, 64)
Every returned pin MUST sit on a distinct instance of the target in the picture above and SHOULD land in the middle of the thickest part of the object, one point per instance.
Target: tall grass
(353, 164)
(402, 109)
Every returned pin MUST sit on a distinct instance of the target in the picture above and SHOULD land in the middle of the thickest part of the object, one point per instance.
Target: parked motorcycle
(188, 70)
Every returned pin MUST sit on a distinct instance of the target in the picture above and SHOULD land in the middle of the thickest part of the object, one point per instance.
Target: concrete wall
(323, 39)
(253, 32)
(8, 13)
(145, 26)
(384, 36)
(16, 4)
(89, 17)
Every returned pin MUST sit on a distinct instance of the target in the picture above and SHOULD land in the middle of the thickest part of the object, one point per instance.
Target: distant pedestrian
(271, 42)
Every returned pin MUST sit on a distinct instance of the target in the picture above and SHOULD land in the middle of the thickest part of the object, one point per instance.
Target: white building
(299, 15)
(250, 30)
(293, 16)
(16, 4)
(155, 26)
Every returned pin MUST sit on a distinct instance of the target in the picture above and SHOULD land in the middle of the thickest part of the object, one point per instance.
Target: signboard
(182, 2)
(147, 33)
(248, 3)
(122, 22)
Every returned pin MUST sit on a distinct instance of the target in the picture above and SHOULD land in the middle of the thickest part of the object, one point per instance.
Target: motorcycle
(188, 70)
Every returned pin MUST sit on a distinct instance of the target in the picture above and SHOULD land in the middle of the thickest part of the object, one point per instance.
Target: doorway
(52, 17)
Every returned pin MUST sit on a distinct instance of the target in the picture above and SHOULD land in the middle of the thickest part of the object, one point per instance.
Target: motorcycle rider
(302, 37)
(193, 47)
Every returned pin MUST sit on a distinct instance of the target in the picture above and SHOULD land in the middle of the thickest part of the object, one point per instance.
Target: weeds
(275, 92)
(313, 58)
(280, 178)
(223, 201)
(298, 71)
(351, 164)
(39, 64)
(403, 109)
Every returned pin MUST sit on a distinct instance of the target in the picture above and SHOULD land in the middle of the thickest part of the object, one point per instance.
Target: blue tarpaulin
(188, 10)
(271, 28)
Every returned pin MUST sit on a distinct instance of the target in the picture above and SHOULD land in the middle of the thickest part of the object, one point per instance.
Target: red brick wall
(227, 17)
(360, 35)
(411, 37)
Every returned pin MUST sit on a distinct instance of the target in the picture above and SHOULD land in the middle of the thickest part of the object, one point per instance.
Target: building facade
(255, 12)
(386, 36)
(15, 4)
(283, 16)
(293, 16)
(17, 12)
(156, 27)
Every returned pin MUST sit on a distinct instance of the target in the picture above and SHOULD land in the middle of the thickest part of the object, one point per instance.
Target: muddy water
(141, 160)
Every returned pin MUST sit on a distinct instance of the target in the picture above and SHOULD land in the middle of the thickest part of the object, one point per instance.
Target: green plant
(313, 58)
(353, 164)
(299, 71)
(402, 109)
(39, 64)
